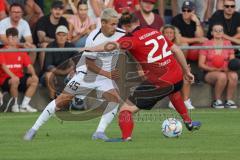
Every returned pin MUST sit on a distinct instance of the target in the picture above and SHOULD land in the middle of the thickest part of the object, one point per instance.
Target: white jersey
(107, 61)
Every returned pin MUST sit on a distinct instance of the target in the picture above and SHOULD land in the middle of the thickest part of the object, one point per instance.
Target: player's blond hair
(108, 13)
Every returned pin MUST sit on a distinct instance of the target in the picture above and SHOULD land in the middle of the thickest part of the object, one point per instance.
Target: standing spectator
(2, 10)
(80, 25)
(32, 12)
(215, 63)
(12, 76)
(46, 28)
(126, 5)
(146, 15)
(54, 59)
(24, 32)
(228, 17)
(173, 35)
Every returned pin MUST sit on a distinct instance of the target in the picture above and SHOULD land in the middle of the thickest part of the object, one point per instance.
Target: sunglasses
(218, 30)
(229, 6)
(186, 10)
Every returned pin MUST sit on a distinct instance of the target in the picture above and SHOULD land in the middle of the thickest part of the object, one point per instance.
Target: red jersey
(125, 5)
(153, 51)
(15, 61)
(2, 6)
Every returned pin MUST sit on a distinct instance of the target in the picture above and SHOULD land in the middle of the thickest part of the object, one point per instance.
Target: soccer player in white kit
(94, 71)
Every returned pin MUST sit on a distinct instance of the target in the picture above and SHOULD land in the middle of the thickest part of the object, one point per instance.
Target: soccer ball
(171, 127)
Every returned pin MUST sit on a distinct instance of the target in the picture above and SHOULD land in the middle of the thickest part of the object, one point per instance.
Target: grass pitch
(218, 139)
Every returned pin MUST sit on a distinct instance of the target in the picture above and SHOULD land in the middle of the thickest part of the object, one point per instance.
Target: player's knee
(63, 100)
(14, 82)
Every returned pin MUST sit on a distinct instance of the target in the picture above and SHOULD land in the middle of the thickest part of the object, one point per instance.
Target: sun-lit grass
(218, 139)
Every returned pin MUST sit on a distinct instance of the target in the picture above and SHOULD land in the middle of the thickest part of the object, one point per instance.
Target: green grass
(218, 139)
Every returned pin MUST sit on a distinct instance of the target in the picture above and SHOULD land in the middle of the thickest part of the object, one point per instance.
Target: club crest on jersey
(19, 58)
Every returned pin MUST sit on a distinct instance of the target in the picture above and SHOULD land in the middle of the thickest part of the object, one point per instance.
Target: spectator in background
(190, 27)
(54, 60)
(12, 77)
(70, 7)
(173, 35)
(126, 6)
(40, 3)
(200, 7)
(46, 28)
(146, 15)
(95, 8)
(80, 25)
(3, 10)
(215, 64)
(229, 18)
(32, 12)
(24, 32)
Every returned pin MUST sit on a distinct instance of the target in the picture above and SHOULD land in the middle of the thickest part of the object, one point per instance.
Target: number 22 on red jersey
(158, 52)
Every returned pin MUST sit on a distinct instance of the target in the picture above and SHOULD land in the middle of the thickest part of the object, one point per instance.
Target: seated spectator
(32, 12)
(2, 10)
(24, 32)
(12, 77)
(215, 64)
(190, 27)
(126, 5)
(70, 7)
(228, 17)
(173, 35)
(146, 15)
(46, 28)
(200, 7)
(53, 60)
(80, 25)
(95, 8)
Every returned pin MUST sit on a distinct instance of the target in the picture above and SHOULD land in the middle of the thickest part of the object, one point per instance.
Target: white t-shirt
(105, 60)
(23, 27)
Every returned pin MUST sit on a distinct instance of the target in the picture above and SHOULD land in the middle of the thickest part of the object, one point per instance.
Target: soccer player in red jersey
(163, 74)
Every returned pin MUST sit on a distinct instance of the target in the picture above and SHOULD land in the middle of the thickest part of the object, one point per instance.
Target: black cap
(57, 4)
(188, 5)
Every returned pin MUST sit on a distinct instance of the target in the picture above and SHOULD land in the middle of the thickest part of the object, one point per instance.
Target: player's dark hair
(82, 2)
(128, 18)
(16, 5)
(11, 32)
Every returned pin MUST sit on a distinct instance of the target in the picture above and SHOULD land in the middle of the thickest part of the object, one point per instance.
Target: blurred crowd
(23, 24)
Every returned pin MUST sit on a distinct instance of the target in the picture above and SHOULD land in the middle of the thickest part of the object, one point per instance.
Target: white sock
(16, 100)
(26, 100)
(45, 115)
(107, 117)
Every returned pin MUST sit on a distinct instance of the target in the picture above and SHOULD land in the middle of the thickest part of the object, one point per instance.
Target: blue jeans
(81, 42)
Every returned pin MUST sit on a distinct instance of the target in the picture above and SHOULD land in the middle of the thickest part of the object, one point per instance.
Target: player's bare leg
(111, 110)
(60, 102)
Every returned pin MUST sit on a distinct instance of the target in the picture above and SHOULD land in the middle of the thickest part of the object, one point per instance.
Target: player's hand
(114, 75)
(189, 77)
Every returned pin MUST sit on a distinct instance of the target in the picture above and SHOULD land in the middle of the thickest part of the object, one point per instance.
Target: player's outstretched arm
(108, 46)
(182, 60)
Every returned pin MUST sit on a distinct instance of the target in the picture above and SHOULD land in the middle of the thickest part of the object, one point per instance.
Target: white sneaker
(27, 108)
(170, 105)
(15, 108)
(188, 104)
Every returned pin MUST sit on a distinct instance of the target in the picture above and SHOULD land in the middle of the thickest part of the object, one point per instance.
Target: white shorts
(80, 84)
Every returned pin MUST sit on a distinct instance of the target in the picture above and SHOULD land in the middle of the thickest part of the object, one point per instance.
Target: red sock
(126, 123)
(179, 105)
